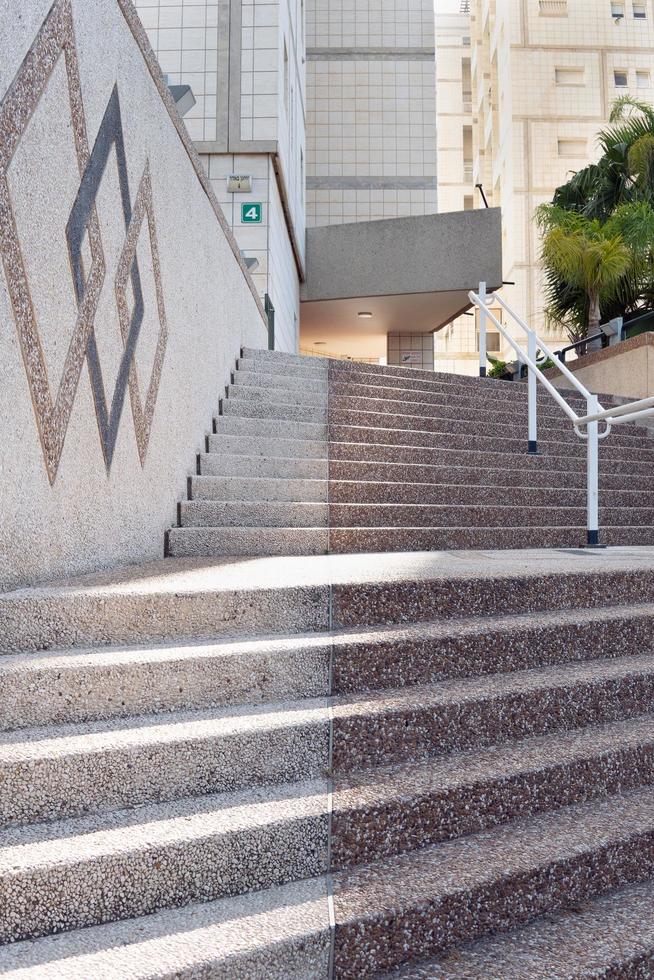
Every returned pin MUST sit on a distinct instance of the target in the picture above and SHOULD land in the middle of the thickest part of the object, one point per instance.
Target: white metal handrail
(589, 422)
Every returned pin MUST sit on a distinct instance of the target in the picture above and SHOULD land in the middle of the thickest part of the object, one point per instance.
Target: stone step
(390, 811)
(232, 513)
(281, 933)
(425, 515)
(228, 465)
(247, 428)
(313, 395)
(118, 682)
(56, 877)
(521, 473)
(398, 656)
(208, 542)
(258, 488)
(262, 446)
(611, 936)
(392, 912)
(463, 494)
(283, 411)
(272, 362)
(477, 459)
(363, 539)
(72, 770)
(247, 377)
(416, 723)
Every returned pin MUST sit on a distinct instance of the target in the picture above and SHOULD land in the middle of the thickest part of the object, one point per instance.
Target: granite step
(417, 723)
(393, 912)
(360, 540)
(229, 465)
(498, 514)
(520, 474)
(258, 488)
(283, 411)
(611, 936)
(216, 542)
(305, 367)
(72, 770)
(57, 877)
(464, 494)
(314, 395)
(249, 514)
(280, 933)
(246, 427)
(79, 685)
(252, 445)
(247, 377)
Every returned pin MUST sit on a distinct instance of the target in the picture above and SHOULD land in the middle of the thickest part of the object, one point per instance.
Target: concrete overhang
(413, 274)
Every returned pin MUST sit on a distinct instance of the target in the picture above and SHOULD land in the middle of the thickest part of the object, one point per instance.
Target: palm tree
(588, 256)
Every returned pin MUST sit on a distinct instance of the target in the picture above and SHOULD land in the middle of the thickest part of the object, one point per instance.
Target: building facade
(544, 75)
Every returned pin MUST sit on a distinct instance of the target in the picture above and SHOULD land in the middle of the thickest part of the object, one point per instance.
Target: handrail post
(482, 330)
(592, 475)
(532, 395)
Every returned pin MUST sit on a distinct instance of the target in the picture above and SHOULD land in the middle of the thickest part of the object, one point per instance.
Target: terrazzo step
(281, 933)
(314, 395)
(257, 488)
(272, 447)
(72, 770)
(247, 377)
(465, 494)
(498, 515)
(611, 936)
(361, 539)
(224, 464)
(519, 474)
(282, 411)
(273, 361)
(246, 428)
(286, 514)
(393, 912)
(397, 656)
(118, 682)
(189, 542)
(385, 812)
(480, 459)
(413, 724)
(77, 873)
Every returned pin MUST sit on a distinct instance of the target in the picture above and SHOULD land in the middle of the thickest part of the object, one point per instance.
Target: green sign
(252, 213)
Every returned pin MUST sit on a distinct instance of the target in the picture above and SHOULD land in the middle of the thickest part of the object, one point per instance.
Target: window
(466, 41)
(617, 9)
(620, 79)
(642, 79)
(468, 202)
(569, 76)
(639, 11)
(553, 8)
(492, 339)
(572, 148)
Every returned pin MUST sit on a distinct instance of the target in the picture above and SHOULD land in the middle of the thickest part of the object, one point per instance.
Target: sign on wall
(252, 213)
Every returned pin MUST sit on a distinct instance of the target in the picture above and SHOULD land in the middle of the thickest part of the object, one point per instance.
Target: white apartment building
(544, 75)
(244, 61)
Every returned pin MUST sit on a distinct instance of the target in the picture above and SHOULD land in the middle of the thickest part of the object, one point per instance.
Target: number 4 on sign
(251, 214)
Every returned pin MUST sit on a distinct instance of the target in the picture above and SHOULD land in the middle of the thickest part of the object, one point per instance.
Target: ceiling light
(365, 315)
(319, 343)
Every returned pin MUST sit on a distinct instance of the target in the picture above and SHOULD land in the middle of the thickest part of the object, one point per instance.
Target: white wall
(89, 514)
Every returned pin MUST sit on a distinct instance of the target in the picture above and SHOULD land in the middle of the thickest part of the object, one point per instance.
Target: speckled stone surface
(423, 515)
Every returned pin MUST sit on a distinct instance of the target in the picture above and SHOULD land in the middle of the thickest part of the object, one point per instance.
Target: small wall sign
(411, 357)
(252, 213)
(239, 184)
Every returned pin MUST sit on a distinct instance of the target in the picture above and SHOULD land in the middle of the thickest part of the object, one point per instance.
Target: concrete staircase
(332, 766)
(310, 456)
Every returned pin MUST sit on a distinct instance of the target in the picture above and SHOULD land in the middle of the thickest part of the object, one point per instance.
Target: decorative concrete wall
(626, 370)
(123, 302)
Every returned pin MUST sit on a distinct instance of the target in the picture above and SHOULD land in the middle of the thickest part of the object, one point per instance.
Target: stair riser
(283, 412)
(268, 428)
(214, 542)
(89, 621)
(245, 377)
(305, 367)
(367, 947)
(262, 467)
(364, 741)
(370, 604)
(237, 489)
(416, 516)
(270, 447)
(207, 513)
(366, 666)
(381, 831)
(92, 691)
(315, 397)
(65, 897)
(360, 540)
(69, 785)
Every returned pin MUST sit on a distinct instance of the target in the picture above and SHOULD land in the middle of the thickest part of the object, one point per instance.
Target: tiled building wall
(370, 110)
(412, 350)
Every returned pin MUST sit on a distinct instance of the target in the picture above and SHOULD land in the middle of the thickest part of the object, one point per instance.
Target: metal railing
(586, 426)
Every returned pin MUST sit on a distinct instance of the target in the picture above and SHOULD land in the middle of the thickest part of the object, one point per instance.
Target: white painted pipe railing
(589, 422)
